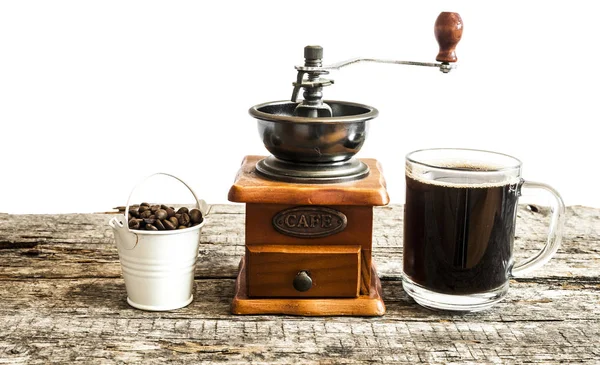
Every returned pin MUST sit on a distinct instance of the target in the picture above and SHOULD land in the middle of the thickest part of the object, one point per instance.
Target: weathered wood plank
(559, 300)
(71, 246)
(88, 321)
(63, 301)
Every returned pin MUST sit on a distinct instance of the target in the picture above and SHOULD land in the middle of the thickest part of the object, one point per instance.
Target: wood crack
(13, 245)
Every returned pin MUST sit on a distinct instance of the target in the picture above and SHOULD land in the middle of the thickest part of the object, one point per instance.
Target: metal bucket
(158, 266)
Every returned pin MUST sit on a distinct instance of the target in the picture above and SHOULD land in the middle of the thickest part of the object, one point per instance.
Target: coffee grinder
(309, 206)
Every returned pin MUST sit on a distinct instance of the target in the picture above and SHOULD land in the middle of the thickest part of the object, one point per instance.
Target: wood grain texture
(363, 305)
(250, 188)
(63, 301)
(260, 231)
(334, 270)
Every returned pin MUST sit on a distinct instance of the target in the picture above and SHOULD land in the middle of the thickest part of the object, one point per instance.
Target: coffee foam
(459, 164)
(460, 168)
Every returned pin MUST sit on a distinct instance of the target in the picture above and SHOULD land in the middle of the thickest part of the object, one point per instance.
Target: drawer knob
(302, 281)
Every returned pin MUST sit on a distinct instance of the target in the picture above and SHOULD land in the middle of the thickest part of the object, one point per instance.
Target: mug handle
(554, 233)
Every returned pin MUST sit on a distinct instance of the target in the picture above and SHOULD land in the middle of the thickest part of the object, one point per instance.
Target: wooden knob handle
(448, 31)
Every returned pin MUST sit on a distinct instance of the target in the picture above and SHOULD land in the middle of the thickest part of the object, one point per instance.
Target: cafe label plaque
(309, 222)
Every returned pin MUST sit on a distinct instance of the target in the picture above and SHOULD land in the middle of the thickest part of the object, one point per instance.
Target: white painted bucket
(158, 266)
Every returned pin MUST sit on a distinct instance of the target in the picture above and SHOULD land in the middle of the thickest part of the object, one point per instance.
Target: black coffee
(458, 239)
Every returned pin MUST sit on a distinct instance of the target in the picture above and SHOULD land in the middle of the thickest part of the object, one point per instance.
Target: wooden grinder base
(363, 305)
(344, 279)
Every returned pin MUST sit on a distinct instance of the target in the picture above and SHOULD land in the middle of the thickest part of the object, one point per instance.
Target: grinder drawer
(303, 271)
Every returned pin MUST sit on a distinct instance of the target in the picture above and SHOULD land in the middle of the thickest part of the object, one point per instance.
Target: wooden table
(63, 300)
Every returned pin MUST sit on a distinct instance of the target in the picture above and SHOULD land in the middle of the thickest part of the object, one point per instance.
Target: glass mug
(459, 227)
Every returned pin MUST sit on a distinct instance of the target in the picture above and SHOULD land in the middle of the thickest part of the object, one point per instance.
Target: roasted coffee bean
(170, 212)
(159, 217)
(134, 224)
(161, 214)
(168, 225)
(196, 216)
(184, 220)
(129, 216)
(149, 220)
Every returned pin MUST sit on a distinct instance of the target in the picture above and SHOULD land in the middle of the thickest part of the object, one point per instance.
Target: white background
(96, 95)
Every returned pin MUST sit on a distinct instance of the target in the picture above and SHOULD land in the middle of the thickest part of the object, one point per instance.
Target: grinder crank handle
(448, 31)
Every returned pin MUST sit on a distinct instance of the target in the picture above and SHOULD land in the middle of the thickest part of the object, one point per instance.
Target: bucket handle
(200, 204)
